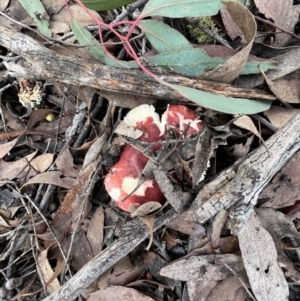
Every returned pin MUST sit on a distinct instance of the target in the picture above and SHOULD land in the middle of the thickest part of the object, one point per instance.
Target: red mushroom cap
(182, 120)
(122, 180)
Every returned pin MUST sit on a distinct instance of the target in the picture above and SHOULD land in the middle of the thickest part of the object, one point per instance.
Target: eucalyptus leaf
(162, 37)
(253, 67)
(182, 8)
(221, 103)
(195, 62)
(103, 5)
(190, 62)
(86, 39)
(37, 12)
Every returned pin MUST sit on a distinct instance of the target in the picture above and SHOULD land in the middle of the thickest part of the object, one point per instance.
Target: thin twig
(277, 26)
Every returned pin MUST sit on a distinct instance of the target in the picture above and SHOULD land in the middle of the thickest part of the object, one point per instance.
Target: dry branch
(43, 63)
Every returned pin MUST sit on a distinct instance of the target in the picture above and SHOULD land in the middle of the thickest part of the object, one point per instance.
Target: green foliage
(175, 51)
(102, 5)
(200, 36)
(38, 13)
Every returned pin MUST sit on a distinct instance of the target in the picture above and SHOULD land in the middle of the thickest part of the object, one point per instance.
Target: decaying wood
(43, 63)
(251, 176)
(106, 259)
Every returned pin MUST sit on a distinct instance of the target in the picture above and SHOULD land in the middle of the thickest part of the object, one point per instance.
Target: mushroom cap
(145, 119)
(181, 119)
(121, 182)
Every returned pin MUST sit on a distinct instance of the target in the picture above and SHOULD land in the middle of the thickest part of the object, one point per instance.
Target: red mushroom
(121, 182)
(183, 120)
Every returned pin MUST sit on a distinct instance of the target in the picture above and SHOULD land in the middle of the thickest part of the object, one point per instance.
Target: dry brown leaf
(231, 69)
(277, 223)
(229, 289)
(81, 251)
(59, 229)
(4, 4)
(207, 267)
(185, 226)
(260, 258)
(39, 115)
(232, 29)
(51, 127)
(154, 263)
(41, 163)
(199, 290)
(95, 231)
(279, 116)
(285, 90)
(283, 13)
(53, 178)
(217, 226)
(284, 189)
(245, 122)
(124, 272)
(118, 293)
(11, 170)
(64, 164)
(78, 13)
(57, 28)
(228, 245)
(53, 6)
(45, 271)
(6, 147)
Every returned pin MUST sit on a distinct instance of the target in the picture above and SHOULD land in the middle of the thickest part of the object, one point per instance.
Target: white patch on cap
(129, 184)
(140, 114)
(183, 122)
(115, 194)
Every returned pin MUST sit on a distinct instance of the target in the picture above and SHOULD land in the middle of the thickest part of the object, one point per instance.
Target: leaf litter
(55, 214)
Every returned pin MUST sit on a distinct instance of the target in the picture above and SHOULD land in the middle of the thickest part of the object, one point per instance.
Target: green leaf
(252, 67)
(190, 62)
(86, 39)
(195, 62)
(103, 5)
(221, 103)
(162, 37)
(37, 12)
(182, 8)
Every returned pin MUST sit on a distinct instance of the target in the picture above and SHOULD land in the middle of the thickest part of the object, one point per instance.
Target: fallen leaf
(95, 231)
(260, 258)
(283, 13)
(52, 178)
(284, 189)
(6, 147)
(45, 271)
(64, 164)
(12, 170)
(118, 293)
(207, 267)
(285, 90)
(278, 223)
(78, 13)
(279, 116)
(245, 122)
(233, 67)
(229, 289)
